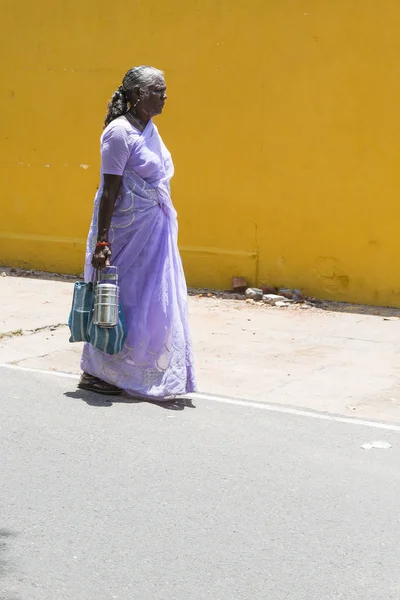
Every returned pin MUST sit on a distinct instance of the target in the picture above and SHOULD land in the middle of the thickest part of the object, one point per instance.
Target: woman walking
(134, 227)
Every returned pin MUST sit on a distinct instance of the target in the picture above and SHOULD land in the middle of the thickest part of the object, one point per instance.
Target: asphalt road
(129, 501)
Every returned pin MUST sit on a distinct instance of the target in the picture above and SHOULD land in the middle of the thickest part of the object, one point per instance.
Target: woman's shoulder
(118, 128)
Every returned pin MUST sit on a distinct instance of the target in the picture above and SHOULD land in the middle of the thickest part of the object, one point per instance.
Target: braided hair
(142, 77)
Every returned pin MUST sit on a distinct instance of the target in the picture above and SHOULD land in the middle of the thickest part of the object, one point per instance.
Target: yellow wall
(283, 120)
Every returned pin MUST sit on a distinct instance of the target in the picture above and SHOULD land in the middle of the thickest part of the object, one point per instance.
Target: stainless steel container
(106, 302)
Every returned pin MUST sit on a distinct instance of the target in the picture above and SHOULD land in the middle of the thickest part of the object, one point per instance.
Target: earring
(136, 103)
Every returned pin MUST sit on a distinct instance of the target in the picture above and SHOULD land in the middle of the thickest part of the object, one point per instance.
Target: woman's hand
(101, 257)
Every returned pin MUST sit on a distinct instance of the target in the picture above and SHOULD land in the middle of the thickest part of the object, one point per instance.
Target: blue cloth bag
(82, 327)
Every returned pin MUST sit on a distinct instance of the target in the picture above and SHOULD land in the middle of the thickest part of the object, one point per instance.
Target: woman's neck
(135, 120)
(143, 118)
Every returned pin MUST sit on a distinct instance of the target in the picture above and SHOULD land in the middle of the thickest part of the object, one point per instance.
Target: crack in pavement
(21, 360)
(23, 332)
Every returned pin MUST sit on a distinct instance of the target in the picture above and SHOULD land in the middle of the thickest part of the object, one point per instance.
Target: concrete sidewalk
(344, 363)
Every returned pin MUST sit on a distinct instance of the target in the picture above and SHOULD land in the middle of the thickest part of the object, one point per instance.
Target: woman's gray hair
(142, 77)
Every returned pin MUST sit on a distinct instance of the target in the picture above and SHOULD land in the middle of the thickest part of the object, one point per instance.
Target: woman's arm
(111, 185)
(116, 146)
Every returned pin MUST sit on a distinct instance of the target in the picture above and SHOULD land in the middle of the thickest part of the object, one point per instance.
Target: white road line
(297, 411)
(40, 371)
(248, 404)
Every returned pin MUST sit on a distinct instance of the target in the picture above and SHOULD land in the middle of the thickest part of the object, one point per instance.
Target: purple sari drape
(157, 358)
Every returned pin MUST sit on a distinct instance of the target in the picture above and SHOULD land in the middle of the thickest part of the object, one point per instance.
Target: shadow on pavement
(4, 564)
(107, 401)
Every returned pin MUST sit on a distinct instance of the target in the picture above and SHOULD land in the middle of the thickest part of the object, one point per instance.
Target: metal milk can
(106, 299)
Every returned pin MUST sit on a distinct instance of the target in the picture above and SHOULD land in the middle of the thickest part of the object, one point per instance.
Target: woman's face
(152, 102)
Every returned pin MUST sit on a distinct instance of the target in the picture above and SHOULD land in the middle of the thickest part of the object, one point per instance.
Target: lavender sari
(157, 359)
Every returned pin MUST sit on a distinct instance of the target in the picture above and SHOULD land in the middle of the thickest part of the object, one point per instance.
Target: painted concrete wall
(283, 120)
